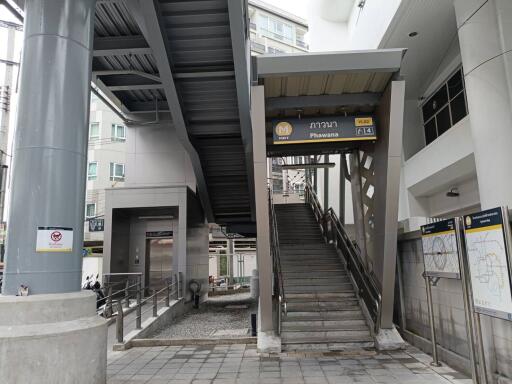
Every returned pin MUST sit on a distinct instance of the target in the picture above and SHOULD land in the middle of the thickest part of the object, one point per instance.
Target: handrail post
(119, 322)
(108, 307)
(168, 293)
(176, 286)
(180, 285)
(155, 303)
(127, 294)
(138, 318)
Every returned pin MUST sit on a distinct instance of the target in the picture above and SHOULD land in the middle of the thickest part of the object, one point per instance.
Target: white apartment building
(274, 30)
(105, 167)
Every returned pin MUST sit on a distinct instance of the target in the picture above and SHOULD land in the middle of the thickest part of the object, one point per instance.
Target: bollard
(155, 304)
(138, 318)
(119, 322)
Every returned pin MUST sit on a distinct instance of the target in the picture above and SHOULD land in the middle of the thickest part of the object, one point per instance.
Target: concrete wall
(156, 157)
(448, 314)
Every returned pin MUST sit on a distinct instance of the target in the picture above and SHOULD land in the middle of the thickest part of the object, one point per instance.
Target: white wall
(156, 157)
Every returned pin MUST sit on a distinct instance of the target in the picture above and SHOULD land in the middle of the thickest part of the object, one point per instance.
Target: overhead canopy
(324, 84)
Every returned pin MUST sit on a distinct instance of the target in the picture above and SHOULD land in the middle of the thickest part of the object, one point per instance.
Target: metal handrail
(170, 289)
(365, 283)
(276, 260)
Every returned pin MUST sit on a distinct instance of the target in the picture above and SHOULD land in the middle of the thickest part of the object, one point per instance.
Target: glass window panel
(435, 103)
(430, 131)
(455, 84)
(443, 121)
(90, 210)
(94, 131)
(92, 171)
(459, 110)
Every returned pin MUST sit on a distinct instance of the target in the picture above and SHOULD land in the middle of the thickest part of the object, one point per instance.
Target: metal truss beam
(347, 99)
(238, 21)
(148, 15)
(121, 45)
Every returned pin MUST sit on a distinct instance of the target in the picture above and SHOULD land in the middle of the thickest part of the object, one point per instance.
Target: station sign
(440, 251)
(488, 261)
(324, 129)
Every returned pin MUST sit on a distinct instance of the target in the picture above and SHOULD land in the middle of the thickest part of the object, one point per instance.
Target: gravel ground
(211, 317)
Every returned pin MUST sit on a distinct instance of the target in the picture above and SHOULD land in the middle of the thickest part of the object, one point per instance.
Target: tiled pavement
(241, 364)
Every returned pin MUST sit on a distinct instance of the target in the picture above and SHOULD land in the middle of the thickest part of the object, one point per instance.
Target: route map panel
(440, 252)
(489, 267)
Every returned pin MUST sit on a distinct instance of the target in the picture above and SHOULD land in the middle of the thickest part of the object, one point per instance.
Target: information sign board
(440, 251)
(488, 262)
(323, 129)
(54, 239)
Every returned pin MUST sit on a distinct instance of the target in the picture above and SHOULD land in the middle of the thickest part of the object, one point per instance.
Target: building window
(94, 131)
(118, 132)
(275, 29)
(90, 210)
(92, 170)
(300, 38)
(445, 108)
(116, 172)
(275, 51)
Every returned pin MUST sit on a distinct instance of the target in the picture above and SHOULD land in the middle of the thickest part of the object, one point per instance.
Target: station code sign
(440, 251)
(324, 129)
(488, 260)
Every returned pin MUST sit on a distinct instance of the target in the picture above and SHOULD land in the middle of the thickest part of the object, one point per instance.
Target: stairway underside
(323, 311)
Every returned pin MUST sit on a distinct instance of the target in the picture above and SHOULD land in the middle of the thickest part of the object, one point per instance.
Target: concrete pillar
(262, 216)
(485, 42)
(48, 179)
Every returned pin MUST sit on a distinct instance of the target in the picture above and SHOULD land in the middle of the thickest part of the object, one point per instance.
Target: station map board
(488, 261)
(440, 251)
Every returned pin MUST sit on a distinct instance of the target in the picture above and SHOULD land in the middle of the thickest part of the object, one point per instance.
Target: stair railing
(276, 263)
(334, 231)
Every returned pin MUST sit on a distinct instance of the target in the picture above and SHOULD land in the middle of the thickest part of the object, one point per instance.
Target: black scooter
(93, 284)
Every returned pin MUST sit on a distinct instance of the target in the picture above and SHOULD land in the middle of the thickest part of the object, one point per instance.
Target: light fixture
(156, 217)
(413, 34)
(454, 192)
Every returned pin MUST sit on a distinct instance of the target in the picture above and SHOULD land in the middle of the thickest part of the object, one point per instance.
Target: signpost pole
(468, 307)
(481, 350)
(428, 286)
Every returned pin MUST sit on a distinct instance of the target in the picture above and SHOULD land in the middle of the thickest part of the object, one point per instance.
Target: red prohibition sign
(56, 236)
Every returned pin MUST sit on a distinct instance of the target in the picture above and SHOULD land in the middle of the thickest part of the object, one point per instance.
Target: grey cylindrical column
(48, 182)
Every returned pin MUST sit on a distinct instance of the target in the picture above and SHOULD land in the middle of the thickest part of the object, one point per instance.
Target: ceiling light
(413, 34)
(454, 192)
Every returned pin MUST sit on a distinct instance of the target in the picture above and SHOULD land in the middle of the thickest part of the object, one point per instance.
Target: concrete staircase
(323, 310)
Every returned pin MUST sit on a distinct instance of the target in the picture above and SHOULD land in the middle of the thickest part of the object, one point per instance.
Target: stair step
(312, 289)
(331, 347)
(325, 325)
(355, 314)
(320, 296)
(319, 306)
(329, 340)
(308, 273)
(318, 281)
(326, 336)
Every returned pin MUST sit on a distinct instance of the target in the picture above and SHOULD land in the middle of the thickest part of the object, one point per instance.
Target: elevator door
(159, 254)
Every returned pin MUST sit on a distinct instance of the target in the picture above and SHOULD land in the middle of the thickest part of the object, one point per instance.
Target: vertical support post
(231, 266)
(428, 287)
(127, 293)
(264, 258)
(168, 294)
(467, 297)
(343, 165)
(326, 184)
(481, 349)
(138, 315)
(181, 285)
(120, 322)
(51, 133)
(108, 307)
(155, 303)
(315, 176)
(357, 187)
